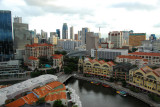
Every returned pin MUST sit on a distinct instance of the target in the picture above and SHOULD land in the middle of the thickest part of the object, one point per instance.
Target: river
(98, 96)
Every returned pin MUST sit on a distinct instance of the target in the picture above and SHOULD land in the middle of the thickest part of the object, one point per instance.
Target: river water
(98, 96)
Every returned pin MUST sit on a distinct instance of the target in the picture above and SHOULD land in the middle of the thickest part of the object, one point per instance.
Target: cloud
(134, 6)
(51, 7)
(157, 25)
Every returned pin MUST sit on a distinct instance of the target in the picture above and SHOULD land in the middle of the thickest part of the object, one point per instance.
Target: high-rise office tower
(116, 38)
(79, 35)
(75, 36)
(43, 36)
(65, 31)
(6, 39)
(84, 31)
(92, 41)
(71, 33)
(22, 35)
(58, 33)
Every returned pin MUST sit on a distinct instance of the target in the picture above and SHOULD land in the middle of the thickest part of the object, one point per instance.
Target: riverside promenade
(141, 96)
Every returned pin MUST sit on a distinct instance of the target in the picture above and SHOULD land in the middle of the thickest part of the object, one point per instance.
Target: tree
(124, 83)
(111, 79)
(63, 52)
(57, 52)
(58, 103)
(134, 49)
(154, 97)
(40, 101)
(67, 70)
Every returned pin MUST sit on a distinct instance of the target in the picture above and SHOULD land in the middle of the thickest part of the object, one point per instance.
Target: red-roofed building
(33, 51)
(33, 62)
(57, 61)
(145, 78)
(134, 60)
(96, 67)
(153, 58)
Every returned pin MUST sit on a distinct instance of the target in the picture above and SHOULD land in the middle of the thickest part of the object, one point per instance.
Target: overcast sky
(141, 16)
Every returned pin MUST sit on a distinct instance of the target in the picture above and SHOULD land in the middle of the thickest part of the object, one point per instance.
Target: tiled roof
(145, 59)
(36, 45)
(16, 103)
(30, 98)
(146, 69)
(110, 63)
(56, 96)
(57, 56)
(129, 57)
(53, 90)
(144, 53)
(32, 58)
(157, 72)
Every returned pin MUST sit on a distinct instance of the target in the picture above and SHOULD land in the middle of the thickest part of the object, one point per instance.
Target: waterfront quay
(141, 96)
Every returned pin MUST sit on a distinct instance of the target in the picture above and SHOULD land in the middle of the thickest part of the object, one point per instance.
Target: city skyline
(116, 15)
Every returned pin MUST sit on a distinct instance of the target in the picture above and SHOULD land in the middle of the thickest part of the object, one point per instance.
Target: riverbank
(139, 96)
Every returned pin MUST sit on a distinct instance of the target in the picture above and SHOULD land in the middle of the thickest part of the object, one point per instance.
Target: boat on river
(122, 93)
(94, 82)
(105, 85)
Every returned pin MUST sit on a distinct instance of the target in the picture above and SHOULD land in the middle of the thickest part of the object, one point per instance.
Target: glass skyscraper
(58, 32)
(65, 31)
(6, 40)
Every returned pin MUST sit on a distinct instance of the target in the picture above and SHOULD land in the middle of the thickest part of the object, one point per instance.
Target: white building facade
(108, 53)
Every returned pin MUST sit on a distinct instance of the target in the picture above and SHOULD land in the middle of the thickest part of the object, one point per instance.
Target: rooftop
(57, 56)
(32, 58)
(13, 90)
(145, 53)
(37, 45)
(110, 63)
(134, 34)
(129, 57)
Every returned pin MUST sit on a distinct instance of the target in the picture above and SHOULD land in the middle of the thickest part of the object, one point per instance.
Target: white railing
(74, 97)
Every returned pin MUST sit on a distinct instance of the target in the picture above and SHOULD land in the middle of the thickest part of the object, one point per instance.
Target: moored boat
(122, 93)
(105, 85)
(94, 82)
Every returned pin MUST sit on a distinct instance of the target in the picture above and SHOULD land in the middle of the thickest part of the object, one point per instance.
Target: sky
(141, 16)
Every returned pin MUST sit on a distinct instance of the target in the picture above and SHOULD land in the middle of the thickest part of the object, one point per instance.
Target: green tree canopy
(58, 103)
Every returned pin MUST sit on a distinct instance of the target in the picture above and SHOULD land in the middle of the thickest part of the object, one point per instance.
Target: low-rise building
(146, 79)
(33, 51)
(121, 71)
(11, 69)
(57, 61)
(108, 53)
(134, 60)
(33, 63)
(28, 92)
(153, 58)
(97, 68)
(150, 46)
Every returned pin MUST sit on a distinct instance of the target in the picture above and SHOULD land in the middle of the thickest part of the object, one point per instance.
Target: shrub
(134, 89)
(154, 97)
